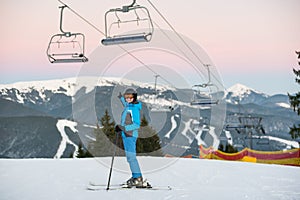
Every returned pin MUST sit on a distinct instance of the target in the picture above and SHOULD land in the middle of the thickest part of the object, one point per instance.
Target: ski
(124, 187)
(103, 185)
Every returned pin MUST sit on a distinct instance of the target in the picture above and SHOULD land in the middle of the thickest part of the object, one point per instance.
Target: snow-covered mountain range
(24, 106)
(241, 94)
(37, 91)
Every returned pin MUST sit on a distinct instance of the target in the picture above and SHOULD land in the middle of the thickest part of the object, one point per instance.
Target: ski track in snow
(10, 146)
(91, 138)
(190, 138)
(187, 127)
(198, 137)
(229, 137)
(61, 124)
(174, 126)
(216, 140)
(89, 126)
(293, 144)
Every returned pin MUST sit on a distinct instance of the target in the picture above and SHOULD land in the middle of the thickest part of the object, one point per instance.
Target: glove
(120, 95)
(119, 128)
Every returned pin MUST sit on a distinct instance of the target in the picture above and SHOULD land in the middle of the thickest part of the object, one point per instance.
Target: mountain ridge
(55, 99)
(236, 94)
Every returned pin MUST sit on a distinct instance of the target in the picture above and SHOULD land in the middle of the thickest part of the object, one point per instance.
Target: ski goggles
(128, 97)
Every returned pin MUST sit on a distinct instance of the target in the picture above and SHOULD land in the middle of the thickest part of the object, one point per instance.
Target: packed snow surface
(64, 179)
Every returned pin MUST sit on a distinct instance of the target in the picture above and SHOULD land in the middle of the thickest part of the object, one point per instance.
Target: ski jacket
(131, 118)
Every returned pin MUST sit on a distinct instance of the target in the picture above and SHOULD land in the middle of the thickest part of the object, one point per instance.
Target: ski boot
(138, 183)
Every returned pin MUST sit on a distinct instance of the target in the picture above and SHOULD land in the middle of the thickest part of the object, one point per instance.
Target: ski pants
(130, 150)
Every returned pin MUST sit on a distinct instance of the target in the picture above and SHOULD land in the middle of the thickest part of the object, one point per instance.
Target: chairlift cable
(178, 35)
(179, 49)
(85, 20)
(170, 25)
(129, 53)
(97, 29)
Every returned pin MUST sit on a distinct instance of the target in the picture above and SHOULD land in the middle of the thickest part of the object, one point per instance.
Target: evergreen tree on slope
(148, 142)
(295, 101)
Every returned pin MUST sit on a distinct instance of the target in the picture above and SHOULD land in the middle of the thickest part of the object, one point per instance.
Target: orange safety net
(286, 157)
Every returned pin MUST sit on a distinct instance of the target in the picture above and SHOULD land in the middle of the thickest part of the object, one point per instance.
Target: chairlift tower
(250, 124)
(155, 83)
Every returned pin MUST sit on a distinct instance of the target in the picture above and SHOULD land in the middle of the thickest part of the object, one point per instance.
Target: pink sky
(250, 42)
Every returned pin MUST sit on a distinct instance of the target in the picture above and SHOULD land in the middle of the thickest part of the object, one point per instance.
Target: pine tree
(230, 149)
(148, 142)
(105, 138)
(108, 126)
(221, 147)
(144, 121)
(295, 101)
(82, 153)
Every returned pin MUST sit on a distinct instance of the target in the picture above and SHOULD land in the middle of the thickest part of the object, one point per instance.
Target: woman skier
(130, 124)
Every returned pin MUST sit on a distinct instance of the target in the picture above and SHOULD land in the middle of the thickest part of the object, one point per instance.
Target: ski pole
(112, 160)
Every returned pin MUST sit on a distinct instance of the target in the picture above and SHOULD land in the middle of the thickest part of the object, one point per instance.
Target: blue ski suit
(131, 121)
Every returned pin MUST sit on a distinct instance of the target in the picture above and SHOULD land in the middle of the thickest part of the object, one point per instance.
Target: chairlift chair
(201, 98)
(119, 20)
(251, 122)
(233, 122)
(66, 47)
(233, 126)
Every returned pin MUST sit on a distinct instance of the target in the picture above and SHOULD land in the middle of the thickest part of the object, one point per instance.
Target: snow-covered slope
(35, 91)
(58, 85)
(239, 93)
(64, 179)
(240, 89)
(65, 86)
